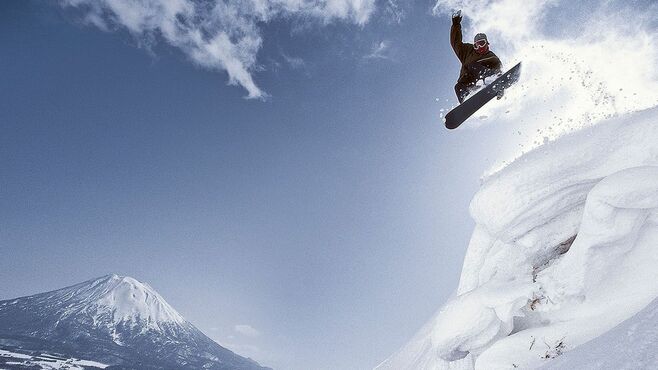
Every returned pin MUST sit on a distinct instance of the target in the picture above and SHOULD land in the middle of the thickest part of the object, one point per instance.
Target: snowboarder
(478, 62)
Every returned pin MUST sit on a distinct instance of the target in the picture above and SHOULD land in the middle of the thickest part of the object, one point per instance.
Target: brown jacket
(467, 55)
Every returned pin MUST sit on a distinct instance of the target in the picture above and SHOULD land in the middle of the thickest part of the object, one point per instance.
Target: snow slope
(564, 249)
(629, 346)
(118, 298)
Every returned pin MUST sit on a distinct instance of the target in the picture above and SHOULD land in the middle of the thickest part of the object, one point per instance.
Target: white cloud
(246, 330)
(394, 11)
(379, 51)
(221, 35)
(293, 62)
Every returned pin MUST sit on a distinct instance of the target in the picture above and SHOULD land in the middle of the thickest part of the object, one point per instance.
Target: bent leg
(461, 89)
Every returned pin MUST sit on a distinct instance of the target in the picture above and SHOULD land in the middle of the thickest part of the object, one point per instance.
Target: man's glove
(457, 17)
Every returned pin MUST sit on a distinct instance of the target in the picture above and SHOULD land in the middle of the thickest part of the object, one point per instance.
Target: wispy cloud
(220, 35)
(293, 62)
(394, 11)
(380, 51)
(246, 330)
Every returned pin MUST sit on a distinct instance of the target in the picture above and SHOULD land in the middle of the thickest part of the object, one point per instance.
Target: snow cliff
(564, 249)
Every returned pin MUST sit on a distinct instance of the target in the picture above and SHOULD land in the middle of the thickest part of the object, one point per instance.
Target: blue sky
(316, 225)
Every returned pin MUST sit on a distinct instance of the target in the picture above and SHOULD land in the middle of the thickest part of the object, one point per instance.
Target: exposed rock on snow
(563, 250)
(629, 346)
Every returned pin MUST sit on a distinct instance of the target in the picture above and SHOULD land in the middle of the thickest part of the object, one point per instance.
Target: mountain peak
(113, 281)
(114, 320)
(125, 299)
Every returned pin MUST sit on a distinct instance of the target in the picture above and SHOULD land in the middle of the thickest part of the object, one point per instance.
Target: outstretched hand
(457, 16)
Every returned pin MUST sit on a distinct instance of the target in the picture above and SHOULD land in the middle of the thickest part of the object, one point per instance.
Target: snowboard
(459, 114)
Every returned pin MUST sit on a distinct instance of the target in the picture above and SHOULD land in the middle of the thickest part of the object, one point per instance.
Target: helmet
(480, 43)
(480, 36)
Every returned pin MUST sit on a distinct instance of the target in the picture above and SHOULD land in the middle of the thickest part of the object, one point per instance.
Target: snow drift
(564, 249)
(629, 346)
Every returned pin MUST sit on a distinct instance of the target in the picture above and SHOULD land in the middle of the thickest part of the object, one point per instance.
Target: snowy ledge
(564, 249)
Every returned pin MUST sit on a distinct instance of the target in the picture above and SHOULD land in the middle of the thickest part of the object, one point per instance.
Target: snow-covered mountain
(113, 320)
(565, 248)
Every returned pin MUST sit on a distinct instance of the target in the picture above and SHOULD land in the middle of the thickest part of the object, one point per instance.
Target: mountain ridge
(114, 320)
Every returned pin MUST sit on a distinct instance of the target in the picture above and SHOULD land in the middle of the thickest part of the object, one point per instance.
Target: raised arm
(456, 36)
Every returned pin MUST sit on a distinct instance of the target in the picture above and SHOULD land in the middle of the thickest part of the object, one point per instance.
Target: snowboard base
(463, 111)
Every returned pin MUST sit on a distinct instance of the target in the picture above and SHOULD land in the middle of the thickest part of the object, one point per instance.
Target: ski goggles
(480, 44)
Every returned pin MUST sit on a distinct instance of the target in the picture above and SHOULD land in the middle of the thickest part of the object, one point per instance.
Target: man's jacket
(467, 55)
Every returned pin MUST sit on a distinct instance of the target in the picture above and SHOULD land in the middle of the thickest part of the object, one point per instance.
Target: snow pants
(475, 72)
